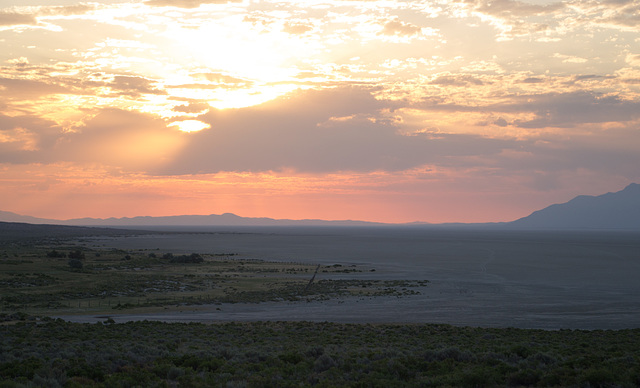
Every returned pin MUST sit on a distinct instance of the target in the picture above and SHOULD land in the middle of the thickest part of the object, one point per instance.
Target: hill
(619, 210)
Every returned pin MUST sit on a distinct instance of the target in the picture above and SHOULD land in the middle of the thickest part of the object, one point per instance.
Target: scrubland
(286, 354)
(39, 280)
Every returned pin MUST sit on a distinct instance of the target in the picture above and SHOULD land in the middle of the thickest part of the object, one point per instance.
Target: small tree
(75, 263)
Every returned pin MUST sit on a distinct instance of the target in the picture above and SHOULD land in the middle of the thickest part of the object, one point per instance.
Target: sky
(375, 110)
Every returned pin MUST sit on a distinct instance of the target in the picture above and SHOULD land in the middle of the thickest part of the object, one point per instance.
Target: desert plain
(487, 278)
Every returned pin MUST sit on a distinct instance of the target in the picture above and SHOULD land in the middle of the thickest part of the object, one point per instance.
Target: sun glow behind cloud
(190, 125)
(405, 104)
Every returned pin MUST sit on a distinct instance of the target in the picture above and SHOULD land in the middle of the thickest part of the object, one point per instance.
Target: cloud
(342, 129)
(8, 18)
(618, 14)
(211, 81)
(67, 10)
(192, 107)
(508, 9)
(569, 58)
(26, 138)
(12, 18)
(501, 122)
(396, 27)
(219, 78)
(19, 62)
(25, 89)
(571, 109)
(296, 28)
(578, 79)
(28, 89)
(623, 13)
(633, 59)
(512, 18)
(457, 80)
(133, 86)
(112, 137)
(560, 110)
(186, 3)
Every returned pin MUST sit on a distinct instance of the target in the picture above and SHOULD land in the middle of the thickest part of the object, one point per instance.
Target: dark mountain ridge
(618, 210)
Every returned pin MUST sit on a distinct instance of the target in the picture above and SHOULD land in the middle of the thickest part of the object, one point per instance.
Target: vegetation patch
(56, 353)
(47, 280)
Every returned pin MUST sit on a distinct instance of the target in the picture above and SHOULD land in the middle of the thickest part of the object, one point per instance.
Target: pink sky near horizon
(387, 111)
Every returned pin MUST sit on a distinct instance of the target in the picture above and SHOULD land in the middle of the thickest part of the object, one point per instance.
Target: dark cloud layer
(562, 110)
(343, 129)
(332, 130)
(571, 109)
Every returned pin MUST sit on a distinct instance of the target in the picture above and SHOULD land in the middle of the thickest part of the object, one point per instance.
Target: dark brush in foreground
(285, 354)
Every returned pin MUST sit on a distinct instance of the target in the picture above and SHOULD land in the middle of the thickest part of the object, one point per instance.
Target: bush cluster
(55, 254)
(192, 258)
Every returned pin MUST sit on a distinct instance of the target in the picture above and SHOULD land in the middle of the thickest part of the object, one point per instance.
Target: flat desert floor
(488, 278)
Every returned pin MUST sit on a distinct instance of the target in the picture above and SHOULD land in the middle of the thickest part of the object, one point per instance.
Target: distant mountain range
(227, 219)
(619, 210)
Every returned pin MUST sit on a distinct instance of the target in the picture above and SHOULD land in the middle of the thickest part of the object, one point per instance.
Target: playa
(574, 280)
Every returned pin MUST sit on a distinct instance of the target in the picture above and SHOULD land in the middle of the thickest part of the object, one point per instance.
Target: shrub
(524, 377)
(55, 254)
(174, 372)
(192, 258)
(324, 363)
(599, 377)
(77, 254)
